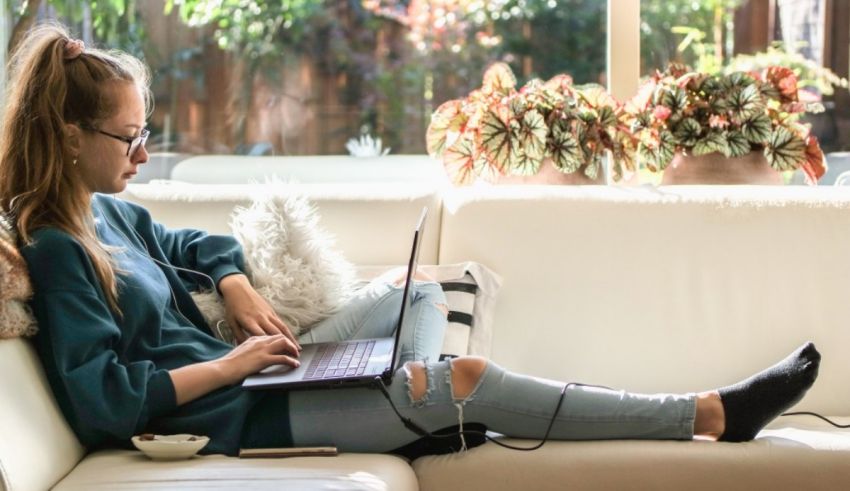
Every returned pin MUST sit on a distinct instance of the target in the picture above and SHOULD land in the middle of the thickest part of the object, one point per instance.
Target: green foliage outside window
(108, 22)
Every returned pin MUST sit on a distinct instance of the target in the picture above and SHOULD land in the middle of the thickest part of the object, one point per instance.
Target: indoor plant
(551, 129)
(725, 123)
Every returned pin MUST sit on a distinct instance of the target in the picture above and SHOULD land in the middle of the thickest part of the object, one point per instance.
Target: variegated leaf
(565, 150)
(524, 164)
(768, 90)
(532, 144)
(746, 103)
(814, 166)
(499, 79)
(757, 129)
(518, 106)
(496, 137)
(712, 142)
(607, 116)
(560, 83)
(719, 104)
(709, 86)
(587, 115)
(785, 82)
(623, 154)
(785, 150)
(738, 144)
(647, 157)
(485, 170)
(640, 101)
(675, 99)
(687, 132)
(736, 80)
(591, 170)
(459, 161)
(447, 118)
(642, 119)
(666, 149)
(658, 157)
(596, 96)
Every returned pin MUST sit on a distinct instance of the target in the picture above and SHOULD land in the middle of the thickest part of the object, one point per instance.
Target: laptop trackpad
(277, 369)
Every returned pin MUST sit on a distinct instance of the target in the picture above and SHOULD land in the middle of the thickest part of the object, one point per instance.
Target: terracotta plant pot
(714, 168)
(548, 174)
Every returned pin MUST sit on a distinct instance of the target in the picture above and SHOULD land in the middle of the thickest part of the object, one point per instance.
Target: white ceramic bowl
(171, 447)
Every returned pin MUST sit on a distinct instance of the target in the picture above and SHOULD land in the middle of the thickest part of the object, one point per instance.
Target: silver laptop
(355, 362)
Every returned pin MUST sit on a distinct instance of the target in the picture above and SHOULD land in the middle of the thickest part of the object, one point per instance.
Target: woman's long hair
(39, 183)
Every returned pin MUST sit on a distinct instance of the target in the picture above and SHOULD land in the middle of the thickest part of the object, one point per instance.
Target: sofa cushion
(37, 447)
(124, 469)
(797, 453)
(470, 290)
(229, 169)
(671, 289)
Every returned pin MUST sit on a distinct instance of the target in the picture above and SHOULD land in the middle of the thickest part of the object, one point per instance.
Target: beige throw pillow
(16, 318)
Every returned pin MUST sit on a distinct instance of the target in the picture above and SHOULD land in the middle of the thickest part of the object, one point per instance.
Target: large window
(303, 77)
(810, 36)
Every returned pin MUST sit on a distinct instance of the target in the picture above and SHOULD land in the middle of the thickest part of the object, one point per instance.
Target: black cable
(410, 425)
(808, 413)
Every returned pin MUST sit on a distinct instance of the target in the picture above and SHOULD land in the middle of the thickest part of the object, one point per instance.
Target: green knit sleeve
(214, 255)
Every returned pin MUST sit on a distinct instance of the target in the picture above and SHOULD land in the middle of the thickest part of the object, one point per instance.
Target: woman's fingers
(284, 360)
(285, 330)
(282, 344)
(269, 325)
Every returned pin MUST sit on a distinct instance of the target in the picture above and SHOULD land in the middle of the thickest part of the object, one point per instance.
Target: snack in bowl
(169, 447)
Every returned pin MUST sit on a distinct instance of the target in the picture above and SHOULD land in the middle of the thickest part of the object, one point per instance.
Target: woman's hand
(247, 313)
(258, 352)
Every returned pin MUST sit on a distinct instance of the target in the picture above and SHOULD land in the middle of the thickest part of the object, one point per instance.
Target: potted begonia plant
(545, 132)
(737, 128)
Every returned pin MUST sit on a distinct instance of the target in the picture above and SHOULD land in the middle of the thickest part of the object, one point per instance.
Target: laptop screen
(407, 297)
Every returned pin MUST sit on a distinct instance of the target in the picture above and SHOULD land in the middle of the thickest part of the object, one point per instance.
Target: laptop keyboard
(344, 360)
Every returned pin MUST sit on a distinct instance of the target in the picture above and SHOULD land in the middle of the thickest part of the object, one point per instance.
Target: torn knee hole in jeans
(419, 382)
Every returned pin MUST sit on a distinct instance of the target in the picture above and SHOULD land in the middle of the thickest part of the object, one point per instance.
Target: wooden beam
(623, 64)
(839, 53)
(753, 26)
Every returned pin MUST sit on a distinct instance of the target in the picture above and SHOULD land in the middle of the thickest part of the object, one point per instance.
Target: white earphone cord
(165, 264)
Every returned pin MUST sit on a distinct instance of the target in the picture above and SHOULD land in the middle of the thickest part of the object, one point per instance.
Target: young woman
(126, 351)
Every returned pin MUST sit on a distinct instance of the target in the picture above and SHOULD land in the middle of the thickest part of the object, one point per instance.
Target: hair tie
(73, 49)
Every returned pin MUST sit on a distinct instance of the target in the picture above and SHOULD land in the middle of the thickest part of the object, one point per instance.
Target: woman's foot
(751, 404)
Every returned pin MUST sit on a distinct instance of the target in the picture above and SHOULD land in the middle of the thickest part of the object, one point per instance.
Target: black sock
(753, 403)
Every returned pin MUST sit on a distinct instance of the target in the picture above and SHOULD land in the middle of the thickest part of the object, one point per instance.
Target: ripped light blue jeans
(361, 419)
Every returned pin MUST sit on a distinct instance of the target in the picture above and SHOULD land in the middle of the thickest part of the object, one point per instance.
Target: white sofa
(667, 289)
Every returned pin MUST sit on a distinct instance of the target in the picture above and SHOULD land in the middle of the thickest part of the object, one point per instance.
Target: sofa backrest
(372, 223)
(37, 447)
(232, 169)
(671, 289)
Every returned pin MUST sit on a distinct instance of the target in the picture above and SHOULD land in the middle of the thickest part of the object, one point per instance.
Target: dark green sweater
(109, 373)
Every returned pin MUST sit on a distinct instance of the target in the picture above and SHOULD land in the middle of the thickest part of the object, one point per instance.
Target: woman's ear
(73, 135)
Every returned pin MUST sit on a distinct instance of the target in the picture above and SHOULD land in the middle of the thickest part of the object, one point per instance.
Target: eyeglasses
(133, 143)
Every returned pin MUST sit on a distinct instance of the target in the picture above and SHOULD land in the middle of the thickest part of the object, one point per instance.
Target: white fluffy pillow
(291, 262)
